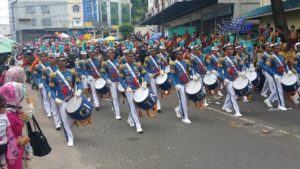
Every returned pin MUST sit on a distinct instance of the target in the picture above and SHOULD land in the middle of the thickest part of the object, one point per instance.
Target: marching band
(70, 94)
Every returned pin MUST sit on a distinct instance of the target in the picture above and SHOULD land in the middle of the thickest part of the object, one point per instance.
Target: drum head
(240, 83)
(251, 75)
(140, 94)
(161, 79)
(120, 88)
(100, 83)
(193, 87)
(73, 104)
(289, 80)
(210, 79)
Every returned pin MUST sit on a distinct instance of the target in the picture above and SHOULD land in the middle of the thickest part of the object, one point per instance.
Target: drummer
(212, 63)
(110, 73)
(296, 69)
(198, 66)
(132, 76)
(154, 66)
(179, 77)
(46, 79)
(80, 67)
(93, 65)
(62, 84)
(164, 56)
(276, 67)
(227, 69)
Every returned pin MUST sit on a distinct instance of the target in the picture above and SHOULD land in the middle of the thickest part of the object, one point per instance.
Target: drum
(101, 86)
(79, 108)
(167, 69)
(194, 90)
(121, 89)
(144, 98)
(289, 82)
(253, 77)
(211, 81)
(241, 86)
(163, 82)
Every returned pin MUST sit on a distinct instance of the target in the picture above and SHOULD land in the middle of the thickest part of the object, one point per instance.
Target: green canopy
(6, 45)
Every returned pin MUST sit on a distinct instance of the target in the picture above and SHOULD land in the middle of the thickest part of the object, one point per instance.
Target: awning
(289, 5)
(177, 10)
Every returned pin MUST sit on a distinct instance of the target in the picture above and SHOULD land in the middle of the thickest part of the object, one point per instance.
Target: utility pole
(162, 19)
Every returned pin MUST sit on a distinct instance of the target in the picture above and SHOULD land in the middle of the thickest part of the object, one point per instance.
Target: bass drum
(144, 98)
(163, 82)
(101, 86)
(253, 77)
(289, 82)
(79, 108)
(211, 81)
(241, 86)
(195, 91)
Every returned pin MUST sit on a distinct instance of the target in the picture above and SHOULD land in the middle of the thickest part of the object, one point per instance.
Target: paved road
(262, 139)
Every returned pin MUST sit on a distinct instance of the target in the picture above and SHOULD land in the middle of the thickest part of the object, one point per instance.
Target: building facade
(5, 30)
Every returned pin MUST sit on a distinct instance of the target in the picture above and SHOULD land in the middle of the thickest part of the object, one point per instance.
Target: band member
(276, 67)
(51, 68)
(165, 57)
(262, 60)
(227, 69)
(62, 84)
(110, 73)
(132, 76)
(93, 65)
(80, 68)
(179, 77)
(153, 65)
(296, 69)
(37, 79)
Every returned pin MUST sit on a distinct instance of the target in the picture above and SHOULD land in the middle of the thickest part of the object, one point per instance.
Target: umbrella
(6, 45)
(156, 36)
(111, 38)
(100, 40)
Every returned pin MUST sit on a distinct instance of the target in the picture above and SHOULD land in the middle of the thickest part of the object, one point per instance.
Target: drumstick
(75, 95)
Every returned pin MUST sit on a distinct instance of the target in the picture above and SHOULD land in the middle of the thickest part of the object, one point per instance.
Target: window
(46, 22)
(77, 22)
(30, 10)
(33, 22)
(114, 13)
(76, 8)
(45, 9)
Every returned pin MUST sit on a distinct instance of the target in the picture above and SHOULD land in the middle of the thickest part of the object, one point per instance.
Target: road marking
(259, 124)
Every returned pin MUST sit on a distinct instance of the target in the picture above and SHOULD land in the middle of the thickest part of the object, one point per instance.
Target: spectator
(293, 36)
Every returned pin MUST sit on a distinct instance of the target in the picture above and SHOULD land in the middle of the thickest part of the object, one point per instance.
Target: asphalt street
(262, 139)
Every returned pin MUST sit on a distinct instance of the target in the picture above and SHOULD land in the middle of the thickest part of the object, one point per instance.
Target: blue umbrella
(156, 36)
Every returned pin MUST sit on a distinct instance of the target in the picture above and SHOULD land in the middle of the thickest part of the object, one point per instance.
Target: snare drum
(194, 90)
(144, 98)
(253, 77)
(79, 108)
(241, 86)
(101, 86)
(163, 82)
(289, 82)
(211, 81)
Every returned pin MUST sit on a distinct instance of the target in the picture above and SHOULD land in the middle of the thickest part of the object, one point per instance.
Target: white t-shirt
(4, 123)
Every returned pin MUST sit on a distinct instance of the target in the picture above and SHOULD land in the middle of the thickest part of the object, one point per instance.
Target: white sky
(4, 12)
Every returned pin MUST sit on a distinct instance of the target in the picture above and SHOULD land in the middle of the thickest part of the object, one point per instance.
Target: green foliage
(126, 29)
(105, 33)
(138, 11)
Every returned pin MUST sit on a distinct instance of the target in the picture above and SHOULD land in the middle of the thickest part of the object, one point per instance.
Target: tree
(126, 29)
(139, 9)
(279, 16)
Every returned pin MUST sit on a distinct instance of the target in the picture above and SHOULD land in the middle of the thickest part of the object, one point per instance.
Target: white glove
(83, 77)
(144, 85)
(196, 77)
(90, 79)
(162, 72)
(208, 72)
(40, 85)
(49, 94)
(242, 74)
(129, 89)
(78, 93)
(58, 101)
(31, 106)
(290, 72)
(214, 72)
(276, 77)
(251, 70)
(177, 87)
(151, 75)
(108, 81)
(226, 81)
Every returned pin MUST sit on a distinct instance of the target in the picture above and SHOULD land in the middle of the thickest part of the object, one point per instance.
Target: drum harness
(153, 60)
(94, 67)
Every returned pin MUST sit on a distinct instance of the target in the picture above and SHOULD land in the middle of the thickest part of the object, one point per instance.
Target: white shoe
(220, 93)
(295, 99)
(130, 122)
(282, 108)
(264, 95)
(245, 99)
(139, 130)
(268, 103)
(177, 110)
(187, 121)
(237, 115)
(206, 104)
(89, 99)
(49, 115)
(70, 144)
(118, 117)
(227, 110)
